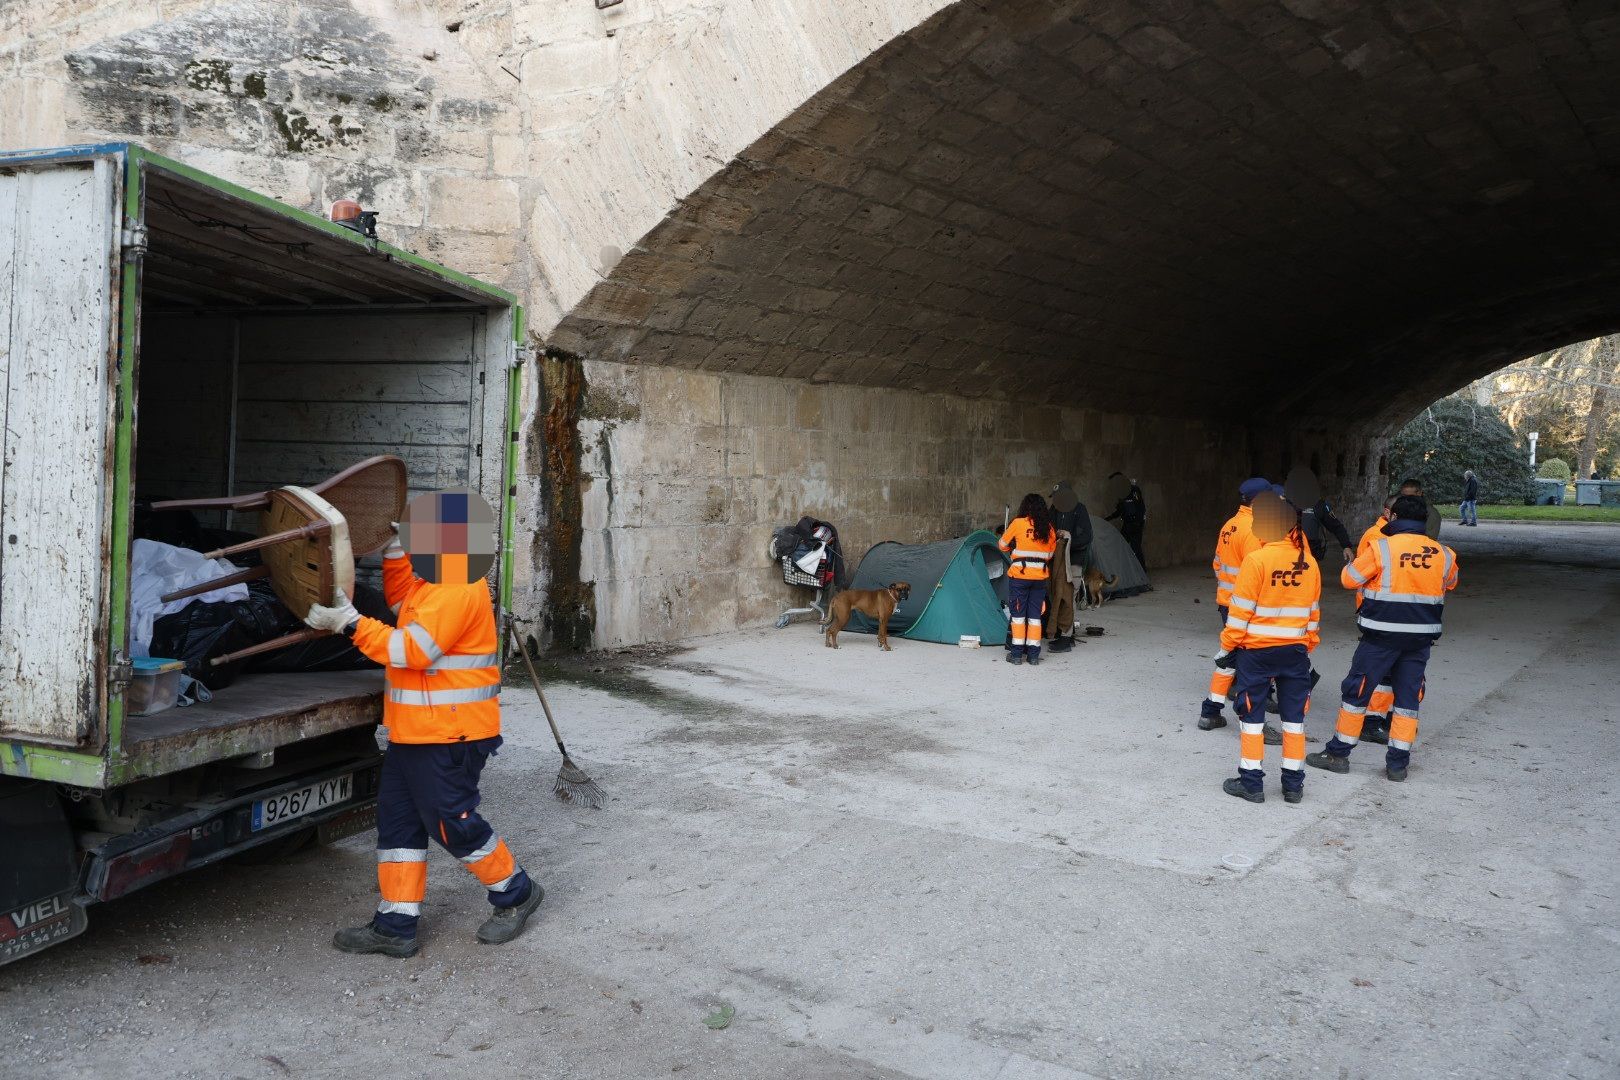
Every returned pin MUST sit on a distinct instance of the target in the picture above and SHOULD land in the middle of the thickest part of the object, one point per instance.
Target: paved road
(930, 864)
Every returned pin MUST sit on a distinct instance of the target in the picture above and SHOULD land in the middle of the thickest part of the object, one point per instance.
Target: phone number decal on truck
(34, 926)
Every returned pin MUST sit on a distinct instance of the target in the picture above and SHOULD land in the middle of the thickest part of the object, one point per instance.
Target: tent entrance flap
(952, 589)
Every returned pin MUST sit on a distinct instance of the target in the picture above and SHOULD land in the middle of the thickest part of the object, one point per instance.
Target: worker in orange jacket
(1029, 542)
(1403, 580)
(1232, 544)
(442, 711)
(1273, 626)
(1376, 729)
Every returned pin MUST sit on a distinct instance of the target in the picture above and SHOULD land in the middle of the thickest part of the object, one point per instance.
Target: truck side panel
(59, 221)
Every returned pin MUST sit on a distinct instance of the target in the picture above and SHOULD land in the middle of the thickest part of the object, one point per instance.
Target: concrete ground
(928, 863)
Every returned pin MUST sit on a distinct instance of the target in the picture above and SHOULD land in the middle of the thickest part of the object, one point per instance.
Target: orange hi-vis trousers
(1289, 667)
(430, 791)
(1403, 665)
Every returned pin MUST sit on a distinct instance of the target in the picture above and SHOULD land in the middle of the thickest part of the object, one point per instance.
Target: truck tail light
(143, 865)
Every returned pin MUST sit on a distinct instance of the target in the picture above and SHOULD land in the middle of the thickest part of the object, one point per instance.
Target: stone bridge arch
(1182, 239)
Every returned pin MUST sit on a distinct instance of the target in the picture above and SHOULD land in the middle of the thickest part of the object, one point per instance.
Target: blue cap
(1277, 490)
(1253, 486)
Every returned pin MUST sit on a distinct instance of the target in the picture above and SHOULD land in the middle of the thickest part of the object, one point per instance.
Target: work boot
(1015, 658)
(507, 922)
(1034, 658)
(1376, 730)
(1321, 759)
(1297, 795)
(1061, 644)
(1211, 722)
(368, 939)
(1272, 734)
(1234, 786)
(1397, 775)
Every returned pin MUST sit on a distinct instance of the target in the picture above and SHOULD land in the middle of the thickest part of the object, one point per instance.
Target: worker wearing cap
(1403, 580)
(1232, 544)
(1073, 524)
(442, 711)
(1272, 628)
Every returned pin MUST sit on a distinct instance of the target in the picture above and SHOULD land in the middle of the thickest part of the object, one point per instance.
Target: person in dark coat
(1469, 508)
(1313, 520)
(1131, 513)
(1070, 515)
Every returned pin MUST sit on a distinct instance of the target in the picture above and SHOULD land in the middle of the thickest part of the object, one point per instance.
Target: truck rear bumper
(209, 834)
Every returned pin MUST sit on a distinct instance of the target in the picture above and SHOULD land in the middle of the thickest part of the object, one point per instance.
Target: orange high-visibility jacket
(1402, 580)
(1234, 543)
(1367, 539)
(1276, 600)
(444, 674)
(1371, 535)
(1031, 558)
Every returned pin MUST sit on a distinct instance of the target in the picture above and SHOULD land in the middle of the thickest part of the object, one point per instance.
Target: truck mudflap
(337, 801)
(39, 874)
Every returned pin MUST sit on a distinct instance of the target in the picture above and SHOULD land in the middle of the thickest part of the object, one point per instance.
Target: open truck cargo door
(60, 285)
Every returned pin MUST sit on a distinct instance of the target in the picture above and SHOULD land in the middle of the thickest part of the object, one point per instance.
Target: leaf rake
(572, 785)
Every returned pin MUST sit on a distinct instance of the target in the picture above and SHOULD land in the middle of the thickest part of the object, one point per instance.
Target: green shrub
(1554, 469)
(1454, 434)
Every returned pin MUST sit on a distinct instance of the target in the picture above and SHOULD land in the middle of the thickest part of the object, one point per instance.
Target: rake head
(573, 786)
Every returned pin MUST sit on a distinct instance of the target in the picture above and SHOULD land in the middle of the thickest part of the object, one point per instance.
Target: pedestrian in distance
(1131, 512)
(442, 711)
(1403, 579)
(1468, 509)
(1271, 630)
(1030, 542)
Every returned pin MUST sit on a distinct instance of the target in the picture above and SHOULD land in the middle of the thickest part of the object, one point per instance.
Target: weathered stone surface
(1190, 240)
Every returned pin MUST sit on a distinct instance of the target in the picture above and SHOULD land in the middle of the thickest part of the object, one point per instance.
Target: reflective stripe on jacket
(1276, 600)
(443, 666)
(1403, 579)
(1031, 558)
(1234, 543)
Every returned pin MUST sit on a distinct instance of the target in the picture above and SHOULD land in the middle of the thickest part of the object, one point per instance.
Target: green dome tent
(957, 587)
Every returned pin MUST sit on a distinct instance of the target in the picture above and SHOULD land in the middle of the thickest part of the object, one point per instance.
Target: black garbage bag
(335, 653)
(199, 632)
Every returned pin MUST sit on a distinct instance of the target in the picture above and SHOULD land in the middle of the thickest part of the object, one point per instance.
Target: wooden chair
(310, 538)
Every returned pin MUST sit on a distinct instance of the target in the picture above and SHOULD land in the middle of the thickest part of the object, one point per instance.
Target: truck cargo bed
(257, 712)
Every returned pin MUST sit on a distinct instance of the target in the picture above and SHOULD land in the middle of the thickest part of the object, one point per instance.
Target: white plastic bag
(157, 569)
(811, 560)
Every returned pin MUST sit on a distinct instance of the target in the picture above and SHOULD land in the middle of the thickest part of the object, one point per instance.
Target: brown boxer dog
(876, 604)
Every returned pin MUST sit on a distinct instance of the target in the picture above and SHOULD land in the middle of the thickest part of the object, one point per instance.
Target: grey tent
(1114, 557)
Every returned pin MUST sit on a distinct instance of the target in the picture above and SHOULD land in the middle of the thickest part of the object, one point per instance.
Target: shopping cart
(794, 576)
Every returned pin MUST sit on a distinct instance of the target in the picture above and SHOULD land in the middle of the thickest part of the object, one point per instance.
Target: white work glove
(394, 550)
(337, 618)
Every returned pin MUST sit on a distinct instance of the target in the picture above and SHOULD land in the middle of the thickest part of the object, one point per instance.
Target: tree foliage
(1553, 469)
(1571, 396)
(1454, 434)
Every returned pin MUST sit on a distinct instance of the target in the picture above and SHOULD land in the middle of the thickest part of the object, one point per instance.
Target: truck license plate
(306, 800)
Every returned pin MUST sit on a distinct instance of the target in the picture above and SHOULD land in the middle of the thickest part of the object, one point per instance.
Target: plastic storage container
(154, 685)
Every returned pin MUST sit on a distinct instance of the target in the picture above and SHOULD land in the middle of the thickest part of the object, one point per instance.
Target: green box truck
(167, 334)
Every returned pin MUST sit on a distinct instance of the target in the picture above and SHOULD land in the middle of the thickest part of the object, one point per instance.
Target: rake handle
(534, 677)
(270, 646)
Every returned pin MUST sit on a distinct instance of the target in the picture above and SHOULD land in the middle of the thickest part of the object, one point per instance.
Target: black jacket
(1320, 517)
(1471, 489)
(1131, 510)
(1077, 523)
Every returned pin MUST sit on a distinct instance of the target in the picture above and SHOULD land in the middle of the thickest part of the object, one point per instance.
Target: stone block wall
(684, 474)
